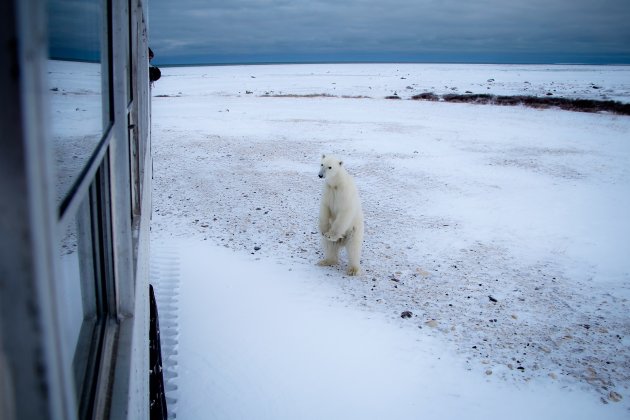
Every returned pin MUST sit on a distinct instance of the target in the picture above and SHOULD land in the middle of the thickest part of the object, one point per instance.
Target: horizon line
(288, 62)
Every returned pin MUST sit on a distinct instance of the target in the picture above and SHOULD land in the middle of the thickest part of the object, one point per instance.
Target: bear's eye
(321, 164)
(330, 167)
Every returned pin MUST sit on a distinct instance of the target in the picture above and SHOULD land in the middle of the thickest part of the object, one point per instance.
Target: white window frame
(35, 380)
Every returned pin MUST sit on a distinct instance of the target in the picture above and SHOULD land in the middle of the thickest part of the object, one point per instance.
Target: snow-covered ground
(76, 117)
(504, 230)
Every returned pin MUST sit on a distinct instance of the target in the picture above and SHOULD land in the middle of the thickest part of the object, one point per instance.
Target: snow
(379, 80)
(272, 343)
(76, 118)
(462, 203)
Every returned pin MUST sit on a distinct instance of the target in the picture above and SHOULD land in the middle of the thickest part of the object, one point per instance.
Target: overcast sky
(229, 31)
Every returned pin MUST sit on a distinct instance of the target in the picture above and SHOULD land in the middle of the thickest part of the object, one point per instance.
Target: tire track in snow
(165, 277)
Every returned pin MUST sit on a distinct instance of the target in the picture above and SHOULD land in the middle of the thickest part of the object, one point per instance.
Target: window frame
(41, 383)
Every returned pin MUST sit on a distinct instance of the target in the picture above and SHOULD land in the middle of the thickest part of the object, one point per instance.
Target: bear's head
(330, 168)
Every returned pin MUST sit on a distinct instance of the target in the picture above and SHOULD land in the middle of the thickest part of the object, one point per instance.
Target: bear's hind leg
(353, 247)
(331, 253)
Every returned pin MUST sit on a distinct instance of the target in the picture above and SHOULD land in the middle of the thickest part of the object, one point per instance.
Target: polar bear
(340, 215)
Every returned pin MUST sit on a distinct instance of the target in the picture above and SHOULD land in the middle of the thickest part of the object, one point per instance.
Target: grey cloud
(195, 27)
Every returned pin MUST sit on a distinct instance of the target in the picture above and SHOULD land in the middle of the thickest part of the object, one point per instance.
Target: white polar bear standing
(340, 215)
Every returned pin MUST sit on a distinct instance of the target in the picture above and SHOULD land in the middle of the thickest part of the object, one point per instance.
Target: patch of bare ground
(294, 95)
(568, 104)
(312, 95)
(537, 102)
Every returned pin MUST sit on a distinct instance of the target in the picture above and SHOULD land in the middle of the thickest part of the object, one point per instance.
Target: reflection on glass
(77, 275)
(80, 309)
(70, 291)
(75, 83)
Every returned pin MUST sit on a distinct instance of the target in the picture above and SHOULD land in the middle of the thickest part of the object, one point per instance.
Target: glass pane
(77, 288)
(70, 290)
(81, 310)
(75, 85)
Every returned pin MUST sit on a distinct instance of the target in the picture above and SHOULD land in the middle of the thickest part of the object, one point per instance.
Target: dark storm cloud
(273, 29)
(69, 18)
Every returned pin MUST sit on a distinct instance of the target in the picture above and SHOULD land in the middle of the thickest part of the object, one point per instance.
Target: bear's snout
(321, 176)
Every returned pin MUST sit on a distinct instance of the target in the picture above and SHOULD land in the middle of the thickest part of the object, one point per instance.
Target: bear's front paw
(326, 262)
(331, 236)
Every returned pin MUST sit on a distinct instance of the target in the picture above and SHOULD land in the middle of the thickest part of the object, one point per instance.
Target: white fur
(340, 215)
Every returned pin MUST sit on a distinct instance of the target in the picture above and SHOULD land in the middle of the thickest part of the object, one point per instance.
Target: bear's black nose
(321, 176)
